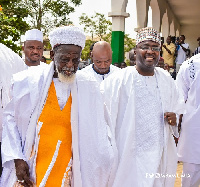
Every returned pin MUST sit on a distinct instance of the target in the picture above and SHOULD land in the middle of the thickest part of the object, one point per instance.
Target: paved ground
(179, 171)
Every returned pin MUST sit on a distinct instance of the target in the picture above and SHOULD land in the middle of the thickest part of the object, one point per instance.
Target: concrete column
(142, 13)
(165, 26)
(155, 15)
(118, 14)
(172, 30)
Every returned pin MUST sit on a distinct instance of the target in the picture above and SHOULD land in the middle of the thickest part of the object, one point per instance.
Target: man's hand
(171, 118)
(22, 173)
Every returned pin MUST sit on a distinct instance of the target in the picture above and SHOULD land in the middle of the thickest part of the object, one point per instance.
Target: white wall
(191, 32)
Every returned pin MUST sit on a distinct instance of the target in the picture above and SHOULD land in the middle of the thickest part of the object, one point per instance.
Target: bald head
(102, 46)
(102, 57)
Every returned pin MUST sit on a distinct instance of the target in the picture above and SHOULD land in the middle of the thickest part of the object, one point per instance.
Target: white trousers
(191, 175)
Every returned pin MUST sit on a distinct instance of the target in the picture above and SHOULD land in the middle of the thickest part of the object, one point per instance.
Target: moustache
(35, 54)
(67, 69)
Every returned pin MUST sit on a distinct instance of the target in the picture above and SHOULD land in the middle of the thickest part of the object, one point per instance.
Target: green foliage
(129, 43)
(86, 51)
(96, 25)
(12, 23)
(18, 16)
(45, 14)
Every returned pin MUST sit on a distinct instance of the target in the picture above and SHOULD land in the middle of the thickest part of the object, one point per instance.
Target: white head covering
(34, 34)
(148, 33)
(67, 35)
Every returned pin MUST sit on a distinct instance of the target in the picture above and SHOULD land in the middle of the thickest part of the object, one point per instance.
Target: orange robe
(56, 127)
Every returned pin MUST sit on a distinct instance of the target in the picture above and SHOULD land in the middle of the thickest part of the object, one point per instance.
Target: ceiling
(186, 11)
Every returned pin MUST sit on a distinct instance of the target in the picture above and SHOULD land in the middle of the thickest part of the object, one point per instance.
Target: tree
(13, 24)
(96, 25)
(45, 14)
(18, 16)
(86, 51)
(129, 43)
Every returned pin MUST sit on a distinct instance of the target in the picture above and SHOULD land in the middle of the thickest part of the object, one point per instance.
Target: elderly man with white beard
(46, 141)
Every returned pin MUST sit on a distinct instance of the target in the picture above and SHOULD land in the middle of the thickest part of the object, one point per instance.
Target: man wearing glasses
(141, 108)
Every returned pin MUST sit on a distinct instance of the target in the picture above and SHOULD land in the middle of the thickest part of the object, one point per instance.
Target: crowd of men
(102, 126)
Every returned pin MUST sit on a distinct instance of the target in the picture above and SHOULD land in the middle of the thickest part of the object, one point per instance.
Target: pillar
(118, 14)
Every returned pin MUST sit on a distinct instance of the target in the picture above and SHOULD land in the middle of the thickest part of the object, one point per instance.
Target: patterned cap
(67, 35)
(148, 33)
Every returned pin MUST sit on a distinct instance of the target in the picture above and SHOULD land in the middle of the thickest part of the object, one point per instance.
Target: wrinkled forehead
(65, 48)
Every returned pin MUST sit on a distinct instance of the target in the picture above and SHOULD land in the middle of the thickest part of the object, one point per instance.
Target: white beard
(67, 79)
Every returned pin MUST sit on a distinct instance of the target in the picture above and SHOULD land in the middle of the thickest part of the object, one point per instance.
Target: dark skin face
(33, 51)
(146, 60)
(101, 57)
(168, 40)
(67, 58)
(181, 40)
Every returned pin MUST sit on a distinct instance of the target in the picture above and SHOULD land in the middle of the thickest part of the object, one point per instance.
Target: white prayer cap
(67, 35)
(148, 33)
(34, 34)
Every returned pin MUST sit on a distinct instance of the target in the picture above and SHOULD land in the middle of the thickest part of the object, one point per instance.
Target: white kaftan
(188, 81)
(10, 63)
(141, 138)
(99, 77)
(91, 163)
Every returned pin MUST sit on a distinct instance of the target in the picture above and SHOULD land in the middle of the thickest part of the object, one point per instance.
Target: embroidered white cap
(148, 33)
(34, 34)
(67, 35)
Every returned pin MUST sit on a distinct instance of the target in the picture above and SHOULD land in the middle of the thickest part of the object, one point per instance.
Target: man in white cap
(45, 135)
(142, 105)
(101, 57)
(33, 47)
(10, 63)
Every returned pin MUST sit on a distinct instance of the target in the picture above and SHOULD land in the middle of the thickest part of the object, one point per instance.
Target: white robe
(99, 78)
(132, 167)
(10, 63)
(188, 81)
(92, 153)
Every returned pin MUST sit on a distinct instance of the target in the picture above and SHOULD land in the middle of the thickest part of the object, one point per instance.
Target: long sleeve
(11, 140)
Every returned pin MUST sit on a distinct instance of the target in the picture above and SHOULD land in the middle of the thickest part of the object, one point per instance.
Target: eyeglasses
(146, 48)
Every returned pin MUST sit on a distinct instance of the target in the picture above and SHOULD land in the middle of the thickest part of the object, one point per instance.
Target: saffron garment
(90, 135)
(54, 137)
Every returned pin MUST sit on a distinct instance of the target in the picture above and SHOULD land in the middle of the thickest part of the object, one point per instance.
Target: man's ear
(52, 55)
